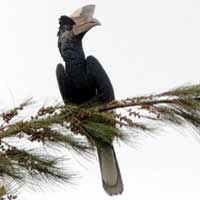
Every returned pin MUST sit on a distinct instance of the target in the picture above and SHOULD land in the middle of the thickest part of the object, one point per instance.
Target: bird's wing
(101, 79)
(62, 82)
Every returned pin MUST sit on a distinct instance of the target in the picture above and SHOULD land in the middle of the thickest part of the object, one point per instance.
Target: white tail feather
(110, 172)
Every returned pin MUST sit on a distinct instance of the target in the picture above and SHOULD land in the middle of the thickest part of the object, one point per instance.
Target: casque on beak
(84, 20)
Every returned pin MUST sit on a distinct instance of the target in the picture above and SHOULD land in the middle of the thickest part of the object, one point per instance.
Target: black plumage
(82, 79)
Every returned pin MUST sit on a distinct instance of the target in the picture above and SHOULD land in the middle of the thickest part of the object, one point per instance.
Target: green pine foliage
(92, 124)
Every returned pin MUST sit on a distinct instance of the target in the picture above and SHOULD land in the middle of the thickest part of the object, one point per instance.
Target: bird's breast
(80, 86)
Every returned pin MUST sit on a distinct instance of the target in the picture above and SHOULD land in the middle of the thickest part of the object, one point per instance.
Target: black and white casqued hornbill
(84, 78)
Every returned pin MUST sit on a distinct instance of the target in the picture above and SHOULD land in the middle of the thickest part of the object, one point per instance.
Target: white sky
(145, 46)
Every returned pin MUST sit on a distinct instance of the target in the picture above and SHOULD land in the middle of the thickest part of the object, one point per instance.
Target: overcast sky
(145, 46)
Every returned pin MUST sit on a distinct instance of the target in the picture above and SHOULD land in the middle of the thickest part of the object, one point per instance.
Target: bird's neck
(73, 53)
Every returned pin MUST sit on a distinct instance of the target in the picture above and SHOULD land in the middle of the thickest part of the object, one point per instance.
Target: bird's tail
(110, 172)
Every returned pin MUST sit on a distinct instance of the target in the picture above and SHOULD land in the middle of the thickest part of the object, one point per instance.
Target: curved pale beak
(84, 20)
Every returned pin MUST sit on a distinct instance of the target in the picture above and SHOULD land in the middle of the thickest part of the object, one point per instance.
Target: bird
(82, 79)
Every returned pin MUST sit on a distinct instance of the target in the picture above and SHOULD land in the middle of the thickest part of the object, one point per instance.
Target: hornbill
(82, 79)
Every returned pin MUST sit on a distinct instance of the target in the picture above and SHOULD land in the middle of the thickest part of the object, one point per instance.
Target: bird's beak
(84, 20)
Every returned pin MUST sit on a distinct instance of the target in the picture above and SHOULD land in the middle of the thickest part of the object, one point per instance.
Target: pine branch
(92, 125)
(175, 107)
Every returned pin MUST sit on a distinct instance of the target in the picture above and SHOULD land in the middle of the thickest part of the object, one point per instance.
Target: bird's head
(79, 22)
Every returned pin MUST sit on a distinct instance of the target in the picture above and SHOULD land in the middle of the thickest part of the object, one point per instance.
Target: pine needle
(82, 127)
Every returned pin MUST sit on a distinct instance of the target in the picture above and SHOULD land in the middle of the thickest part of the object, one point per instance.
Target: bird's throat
(72, 51)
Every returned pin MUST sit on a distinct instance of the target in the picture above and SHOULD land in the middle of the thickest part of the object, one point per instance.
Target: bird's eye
(66, 27)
